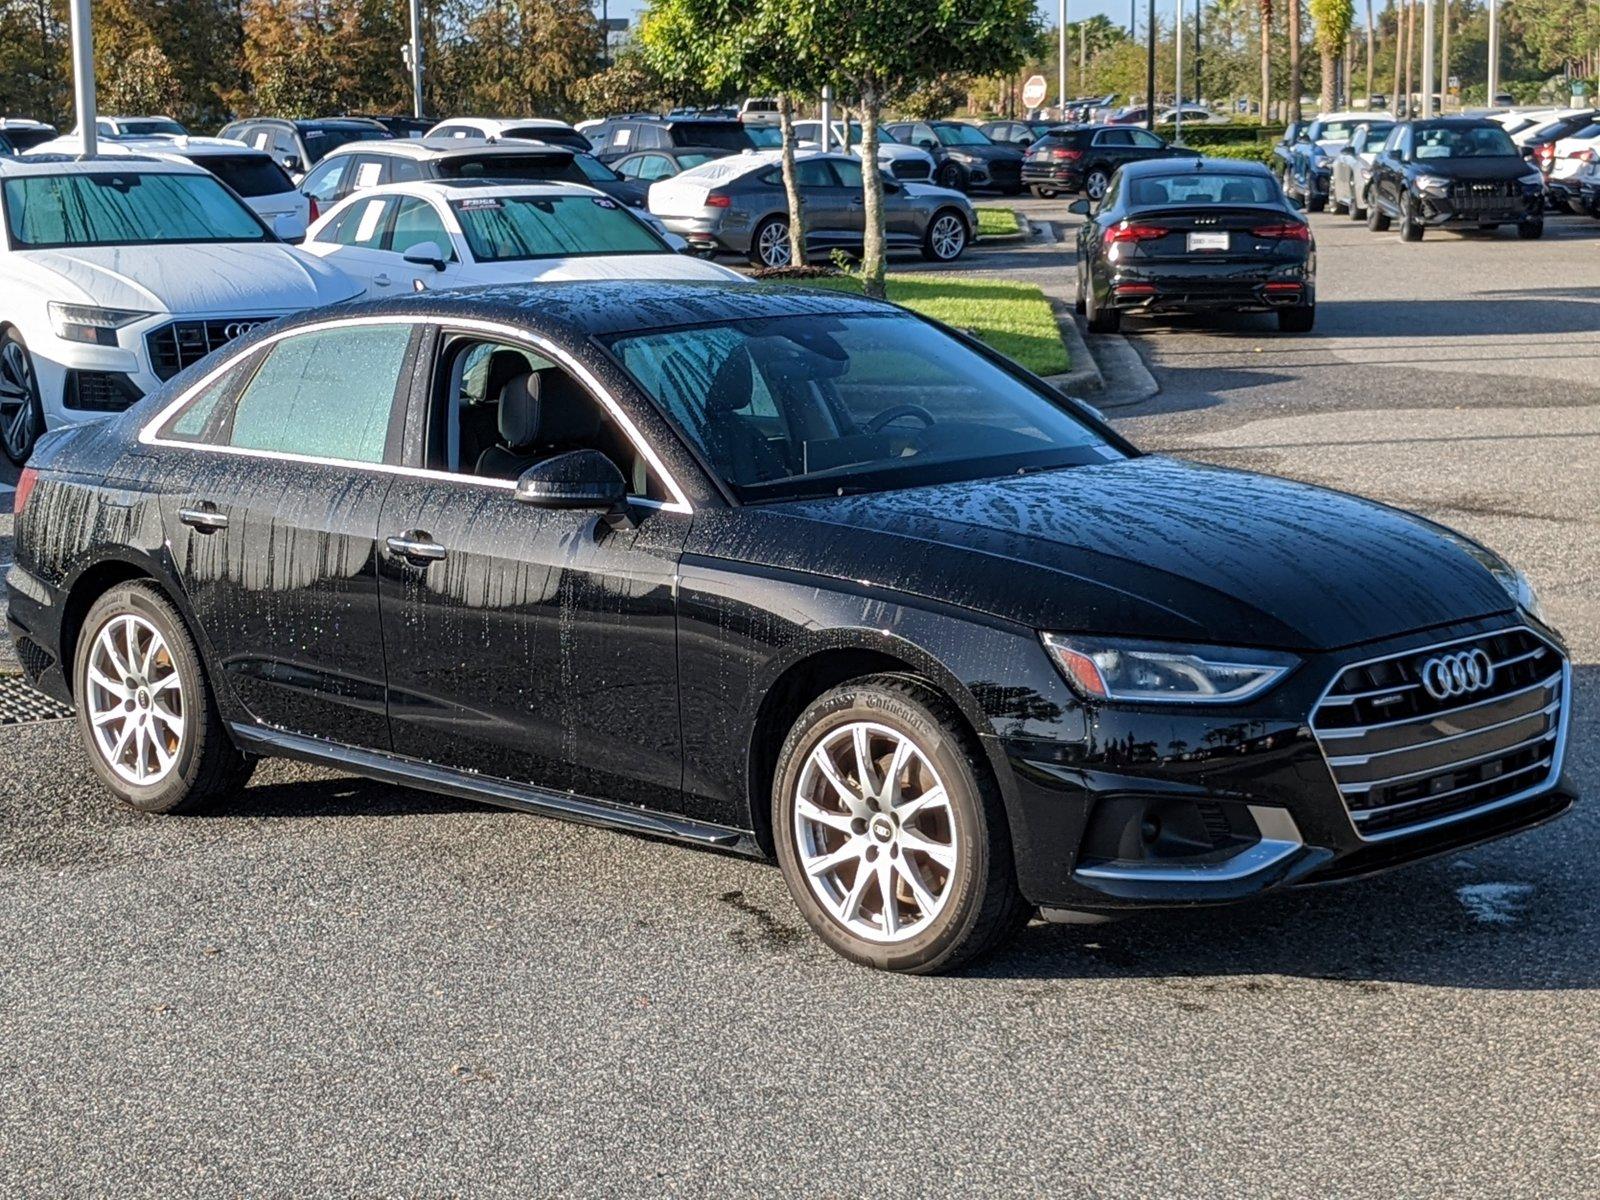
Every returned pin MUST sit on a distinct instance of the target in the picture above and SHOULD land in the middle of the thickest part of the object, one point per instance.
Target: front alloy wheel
(20, 416)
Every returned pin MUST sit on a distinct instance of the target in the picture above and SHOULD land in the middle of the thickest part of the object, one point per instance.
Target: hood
(928, 191)
(1153, 547)
(896, 150)
(989, 153)
(1473, 168)
(618, 266)
(198, 279)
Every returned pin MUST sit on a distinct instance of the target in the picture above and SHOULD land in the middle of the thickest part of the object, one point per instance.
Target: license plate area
(1207, 241)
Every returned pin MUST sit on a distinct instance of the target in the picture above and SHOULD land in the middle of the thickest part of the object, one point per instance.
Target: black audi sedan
(1461, 171)
(1195, 235)
(782, 572)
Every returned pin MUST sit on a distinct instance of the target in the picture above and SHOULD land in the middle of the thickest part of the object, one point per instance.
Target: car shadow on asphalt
(1550, 312)
(343, 796)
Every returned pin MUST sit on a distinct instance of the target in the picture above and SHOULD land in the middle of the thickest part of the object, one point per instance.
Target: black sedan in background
(783, 572)
(978, 161)
(1083, 158)
(1460, 171)
(1195, 235)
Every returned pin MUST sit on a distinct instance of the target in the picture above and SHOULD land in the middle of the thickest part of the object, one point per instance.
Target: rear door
(276, 480)
(1145, 144)
(359, 235)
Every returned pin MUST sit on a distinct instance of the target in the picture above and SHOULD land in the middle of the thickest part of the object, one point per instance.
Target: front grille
(183, 343)
(1403, 758)
(1474, 197)
(903, 168)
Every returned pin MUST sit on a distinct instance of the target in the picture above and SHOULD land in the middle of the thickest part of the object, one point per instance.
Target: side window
(655, 166)
(199, 419)
(849, 174)
(416, 221)
(1145, 139)
(324, 182)
(622, 137)
(404, 170)
(327, 393)
(368, 172)
(363, 224)
(1114, 137)
(813, 173)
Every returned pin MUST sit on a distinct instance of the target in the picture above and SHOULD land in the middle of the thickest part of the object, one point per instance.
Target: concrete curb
(1085, 375)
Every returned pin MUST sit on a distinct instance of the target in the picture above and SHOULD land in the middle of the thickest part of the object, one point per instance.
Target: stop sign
(1034, 91)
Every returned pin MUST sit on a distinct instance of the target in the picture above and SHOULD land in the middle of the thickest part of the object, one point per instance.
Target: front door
(527, 644)
(279, 565)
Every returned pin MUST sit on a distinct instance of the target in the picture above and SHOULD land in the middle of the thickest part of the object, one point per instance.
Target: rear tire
(1530, 231)
(1316, 203)
(1100, 320)
(146, 714)
(769, 244)
(1078, 305)
(946, 237)
(1297, 320)
(1410, 227)
(883, 880)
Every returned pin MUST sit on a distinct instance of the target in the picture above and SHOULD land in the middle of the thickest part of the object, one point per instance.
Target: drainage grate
(20, 703)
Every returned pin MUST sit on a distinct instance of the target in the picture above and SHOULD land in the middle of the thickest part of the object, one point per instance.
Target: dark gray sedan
(738, 205)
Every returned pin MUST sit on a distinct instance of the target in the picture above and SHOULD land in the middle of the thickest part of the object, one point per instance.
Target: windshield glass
(248, 174)
(724, 135)
(960, 135)
(152, 126)
(1468, 141)
(1207, 188)
(812, 405)
(595, 170)
(518, 228)
(321, 139)
(1377, 133)
(763, 137)
(1333, 131)
(116, 209)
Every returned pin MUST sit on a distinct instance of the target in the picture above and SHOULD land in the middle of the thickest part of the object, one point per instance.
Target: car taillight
(1292, 231)
(1062, 154)
(1128, 231)
(1545, 151)
(25, 483)
(1584, 156)
(718, 200)
(312, 212)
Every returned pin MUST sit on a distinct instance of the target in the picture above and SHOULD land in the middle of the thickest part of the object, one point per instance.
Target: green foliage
(1332, 19)
(142, 82)
(1225, 135)
(936, 99)
(627, 85)
(997, 222)
(1260, 152)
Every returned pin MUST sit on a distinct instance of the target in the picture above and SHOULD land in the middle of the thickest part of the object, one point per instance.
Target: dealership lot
(336, 987)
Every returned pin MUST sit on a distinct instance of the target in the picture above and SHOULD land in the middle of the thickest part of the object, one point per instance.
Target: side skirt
(414, 773)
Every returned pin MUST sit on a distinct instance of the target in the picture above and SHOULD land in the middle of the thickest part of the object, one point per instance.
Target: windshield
(115, 209)
(552, 136)
(595, 170)
(531, 168)
(764, 137)
(813, 405)
(248, 174)
(960, 135)
(1377, 133)
(1206, 188)
(518, 228)
(1333, 131)
(1463, 141)
(153, 126)
(724, 135)
(321, 139)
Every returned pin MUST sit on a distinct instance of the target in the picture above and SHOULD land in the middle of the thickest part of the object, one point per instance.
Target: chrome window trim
(148, 433)
(1557, 755)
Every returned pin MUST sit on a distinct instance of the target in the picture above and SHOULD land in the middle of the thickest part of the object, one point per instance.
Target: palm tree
(1294, 60)
(1369, 49)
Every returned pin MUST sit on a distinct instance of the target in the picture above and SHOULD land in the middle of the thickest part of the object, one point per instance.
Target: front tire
(1377, 220)
(21, 414)
(946, 236)
(890, 829)
(1044, 193)
(145, 711)
(769, 244)
(1359, 204)
(1530, 231)
(1410, 226)
(950, 175)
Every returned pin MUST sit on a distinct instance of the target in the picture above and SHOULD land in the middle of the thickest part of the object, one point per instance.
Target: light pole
(83, 75)
(1177, 75)
(1061, 75)
(1494, 52)
(416, 58)
(1150, 68)
(1427, 58)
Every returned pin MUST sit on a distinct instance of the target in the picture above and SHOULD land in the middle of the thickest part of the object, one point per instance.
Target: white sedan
(456, 233)
(116, 273)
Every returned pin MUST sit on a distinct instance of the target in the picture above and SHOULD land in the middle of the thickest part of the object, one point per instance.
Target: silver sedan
(738, 205)
(1352, 167)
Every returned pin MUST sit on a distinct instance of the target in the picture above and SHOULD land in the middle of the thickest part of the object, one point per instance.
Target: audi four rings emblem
(1449, 675)
(235, 329)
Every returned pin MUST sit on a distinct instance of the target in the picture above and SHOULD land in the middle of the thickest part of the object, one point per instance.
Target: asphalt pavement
(335, 988)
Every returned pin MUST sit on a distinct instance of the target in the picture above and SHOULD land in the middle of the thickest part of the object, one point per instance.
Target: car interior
(501, 409)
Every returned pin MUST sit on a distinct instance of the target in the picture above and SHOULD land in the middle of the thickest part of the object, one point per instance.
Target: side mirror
(426, 254)
(579, 479)
(1080, 208)
(293, 165)
(927, 143)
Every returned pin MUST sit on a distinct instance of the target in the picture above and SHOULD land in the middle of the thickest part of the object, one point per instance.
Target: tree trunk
(791, 185)
(1330, 61)
(1266, 64)
(1370, 45)
(872, 236)
(1296, 84)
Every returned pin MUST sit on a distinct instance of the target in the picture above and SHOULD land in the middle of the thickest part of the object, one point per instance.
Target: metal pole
(416, 58)
(827, 116)
(1427, 58)
(1061, 80)
(1177, 75)
(1199, 11)
(1494, 52)
(1150, 68)
(83, 75)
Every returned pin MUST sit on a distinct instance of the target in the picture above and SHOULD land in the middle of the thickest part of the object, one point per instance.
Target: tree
(936, 99)
(1266, 61)
(884, 51)
(1370, 36)
(1296, 84)
(627, 85)
(1332, 19)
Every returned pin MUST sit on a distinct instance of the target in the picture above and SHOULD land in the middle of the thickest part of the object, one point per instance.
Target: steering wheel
(889, 415)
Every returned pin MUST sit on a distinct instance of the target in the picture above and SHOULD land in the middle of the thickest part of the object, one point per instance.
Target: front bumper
(1438, 210)
(1157, 808)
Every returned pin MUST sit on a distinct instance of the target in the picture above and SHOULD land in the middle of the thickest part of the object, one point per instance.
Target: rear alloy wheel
(1100, 320)
(946, 237)
(145, 712)
(890, 832)
(21, 417)
(1297, 320)
(1410, 226)
(769, 245)
(1095, 184)
(1530, 230)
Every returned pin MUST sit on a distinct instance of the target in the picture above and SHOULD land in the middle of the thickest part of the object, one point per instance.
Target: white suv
(117, 272)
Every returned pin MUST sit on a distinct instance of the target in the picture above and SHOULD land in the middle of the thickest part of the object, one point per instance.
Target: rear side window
(328, 393)
(248, 174)
(197, 420)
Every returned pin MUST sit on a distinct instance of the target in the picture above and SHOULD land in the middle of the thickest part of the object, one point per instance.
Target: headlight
(1514, 581)
(85, 323)
(1433, 183)
(1146, 672)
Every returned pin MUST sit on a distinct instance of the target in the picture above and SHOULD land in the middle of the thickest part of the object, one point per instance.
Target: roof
(1445, 122)
(69, 164)
(158, 146)
(732, 166)
(1340, 116)
(301, 123)
(450, 147)
(500, 124)
(598, 308)
(1166, 166)
(461, 189)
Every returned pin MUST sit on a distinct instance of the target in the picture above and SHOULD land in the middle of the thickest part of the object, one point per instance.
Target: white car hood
(224, 280)
(620, 266)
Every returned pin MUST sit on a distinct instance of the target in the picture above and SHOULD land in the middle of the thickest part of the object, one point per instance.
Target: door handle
(416, 547)
(382, 280)
(204, 517)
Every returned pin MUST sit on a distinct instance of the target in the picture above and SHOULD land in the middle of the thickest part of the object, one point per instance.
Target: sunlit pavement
(329, 987)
